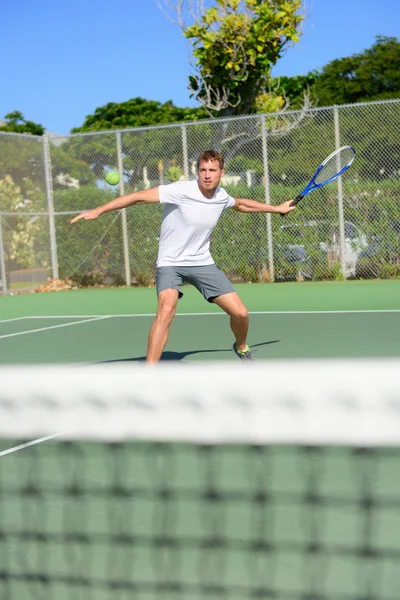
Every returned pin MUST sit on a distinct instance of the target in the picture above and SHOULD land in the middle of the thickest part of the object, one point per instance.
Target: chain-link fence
(348, 229)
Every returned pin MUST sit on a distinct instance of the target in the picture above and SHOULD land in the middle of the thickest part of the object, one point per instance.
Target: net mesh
(338, 161)
(160, 488)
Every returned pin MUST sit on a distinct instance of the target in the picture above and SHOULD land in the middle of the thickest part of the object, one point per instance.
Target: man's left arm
(252, 206)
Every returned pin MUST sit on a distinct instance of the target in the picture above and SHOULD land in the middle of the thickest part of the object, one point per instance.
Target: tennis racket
(333, 166)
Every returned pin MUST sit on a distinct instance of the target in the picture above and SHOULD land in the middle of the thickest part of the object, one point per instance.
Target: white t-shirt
(189, 218)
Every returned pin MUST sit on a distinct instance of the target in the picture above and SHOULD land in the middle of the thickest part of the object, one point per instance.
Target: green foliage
(89, 252)
(237, 43)
(370, 75)
(241, 163)
(174, 173)
(140, 148)
(373, 74)
(269, 103)
(98, 151)
(240, 241)
(22, 236)
(293, 88)
(137, 112)
(15, 122)
(21, 158)
(64, 163)
(375, 210)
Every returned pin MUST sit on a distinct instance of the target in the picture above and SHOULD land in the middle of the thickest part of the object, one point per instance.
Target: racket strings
(335, 164)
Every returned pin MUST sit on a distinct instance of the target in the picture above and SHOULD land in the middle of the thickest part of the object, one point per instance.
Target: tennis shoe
(242, 354)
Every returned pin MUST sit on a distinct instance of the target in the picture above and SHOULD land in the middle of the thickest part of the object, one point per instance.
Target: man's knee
(241, 313)
(166, 312)
(167, 303)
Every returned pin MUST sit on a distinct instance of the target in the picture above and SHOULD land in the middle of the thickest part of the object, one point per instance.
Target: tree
(370, 75)
(16, 123)
(236, 44)
(23, 237)
(22, 158)
(137, 112)
(64, 164)
(292, 89)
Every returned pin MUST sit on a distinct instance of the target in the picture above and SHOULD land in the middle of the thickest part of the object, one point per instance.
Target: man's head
(210, 169)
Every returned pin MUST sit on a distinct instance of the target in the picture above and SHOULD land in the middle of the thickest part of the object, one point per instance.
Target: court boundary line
(14, 319)
(201, 314)
(8, 335)
(29, 444)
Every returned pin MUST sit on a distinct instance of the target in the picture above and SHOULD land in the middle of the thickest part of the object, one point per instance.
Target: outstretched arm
(252, 206)
(149, 196)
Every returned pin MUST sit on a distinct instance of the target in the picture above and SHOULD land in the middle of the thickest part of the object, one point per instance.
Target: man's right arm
(149, 196)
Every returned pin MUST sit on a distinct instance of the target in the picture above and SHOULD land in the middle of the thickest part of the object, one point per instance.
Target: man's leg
(158, 337)
(234, 307)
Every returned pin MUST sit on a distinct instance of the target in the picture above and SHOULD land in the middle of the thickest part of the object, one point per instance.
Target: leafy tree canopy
(373, 74)
(292, 88)
(236, 43)
(138, 112)
(370, 75)
(15, 122)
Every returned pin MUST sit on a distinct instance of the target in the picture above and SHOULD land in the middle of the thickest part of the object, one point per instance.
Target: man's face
(210, 174)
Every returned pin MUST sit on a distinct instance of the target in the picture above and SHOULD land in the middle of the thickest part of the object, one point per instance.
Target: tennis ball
(112, 177)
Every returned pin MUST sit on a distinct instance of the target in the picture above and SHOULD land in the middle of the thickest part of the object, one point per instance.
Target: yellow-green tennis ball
(112, 177)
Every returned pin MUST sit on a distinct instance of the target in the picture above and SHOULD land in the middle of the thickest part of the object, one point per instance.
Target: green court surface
(292, 320)
(148, 520)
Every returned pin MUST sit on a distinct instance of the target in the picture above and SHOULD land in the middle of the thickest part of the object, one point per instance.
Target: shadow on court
(180, 356)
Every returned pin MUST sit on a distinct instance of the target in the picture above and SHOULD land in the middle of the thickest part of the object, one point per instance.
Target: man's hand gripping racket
(333, 166)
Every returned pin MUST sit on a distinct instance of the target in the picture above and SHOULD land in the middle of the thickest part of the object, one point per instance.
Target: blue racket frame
(313, 186)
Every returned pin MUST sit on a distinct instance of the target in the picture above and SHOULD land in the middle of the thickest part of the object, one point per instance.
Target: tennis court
(281, 485)
(321, 320)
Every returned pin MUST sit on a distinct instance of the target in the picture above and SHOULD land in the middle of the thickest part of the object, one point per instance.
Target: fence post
(185, 153)
(340, 198)
(3, 273)
(123, 212)
(267, 199)
(50, 207)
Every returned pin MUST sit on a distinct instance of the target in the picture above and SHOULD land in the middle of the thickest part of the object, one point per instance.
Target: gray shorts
(208, 279)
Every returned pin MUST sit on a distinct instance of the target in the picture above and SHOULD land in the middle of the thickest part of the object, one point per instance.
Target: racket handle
(293, 203)
(296, 200)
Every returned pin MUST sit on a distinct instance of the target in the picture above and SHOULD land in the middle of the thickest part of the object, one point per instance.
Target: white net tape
(354, 403)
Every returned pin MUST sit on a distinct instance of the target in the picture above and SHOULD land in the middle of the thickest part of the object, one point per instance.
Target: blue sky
(61, 60)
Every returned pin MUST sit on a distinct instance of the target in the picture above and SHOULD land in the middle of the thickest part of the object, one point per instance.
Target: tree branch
(194, 11)
(211, 98)
(219, 98)
(278, 124)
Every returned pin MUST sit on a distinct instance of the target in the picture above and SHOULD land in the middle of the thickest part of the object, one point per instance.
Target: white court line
(286, 312)
(54, 317)
(15, 319)
(201, 314)
(195, 314)
(28, 444)
(325, 312)
(90, 318)
(51, 327)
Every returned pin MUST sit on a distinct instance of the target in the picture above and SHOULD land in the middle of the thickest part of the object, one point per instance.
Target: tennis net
(276, 481)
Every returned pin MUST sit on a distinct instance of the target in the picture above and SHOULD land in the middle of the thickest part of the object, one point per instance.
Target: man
(192, 209)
